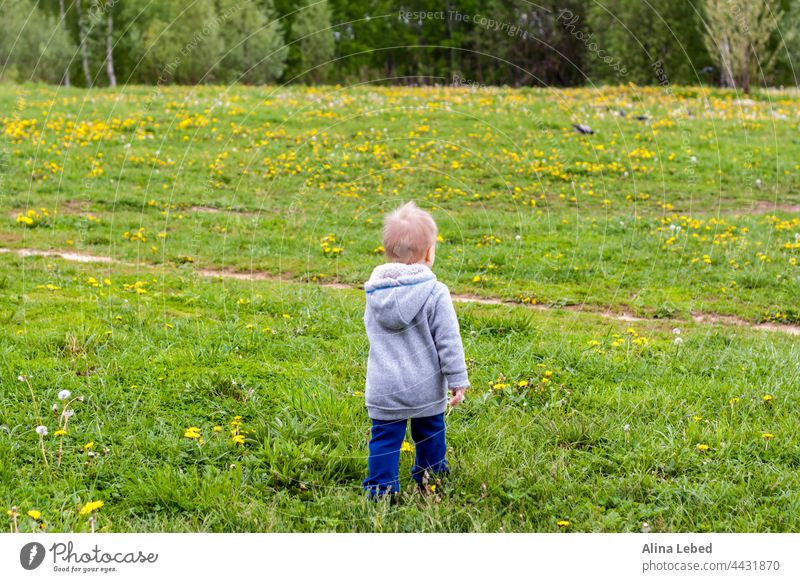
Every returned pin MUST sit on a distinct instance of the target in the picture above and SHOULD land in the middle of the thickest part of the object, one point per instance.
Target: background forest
(492, 42)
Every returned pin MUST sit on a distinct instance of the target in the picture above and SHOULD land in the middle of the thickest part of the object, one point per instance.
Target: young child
(415, 352)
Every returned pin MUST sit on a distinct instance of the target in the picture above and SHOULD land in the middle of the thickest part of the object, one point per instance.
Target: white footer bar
(389, 557)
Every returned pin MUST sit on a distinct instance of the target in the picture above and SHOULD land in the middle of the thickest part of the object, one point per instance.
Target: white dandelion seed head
(64, 394)
(41, 430)
(676, 331)
(55, 407)
(626, 428)
(518, 237)
(21, 378)
(68, 413)
(678, 341)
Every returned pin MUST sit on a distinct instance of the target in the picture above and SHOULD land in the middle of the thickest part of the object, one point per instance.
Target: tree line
(487, 42)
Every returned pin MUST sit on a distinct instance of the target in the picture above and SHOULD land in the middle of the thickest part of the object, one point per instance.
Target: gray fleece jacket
(415, 350)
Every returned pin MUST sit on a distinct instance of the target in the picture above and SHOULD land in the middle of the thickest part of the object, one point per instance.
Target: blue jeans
(384, 452)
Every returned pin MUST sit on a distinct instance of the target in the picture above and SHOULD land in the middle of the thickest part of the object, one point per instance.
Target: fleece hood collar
(396, 292)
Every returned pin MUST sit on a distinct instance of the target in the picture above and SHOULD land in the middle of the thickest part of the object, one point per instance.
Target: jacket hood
(396, 292)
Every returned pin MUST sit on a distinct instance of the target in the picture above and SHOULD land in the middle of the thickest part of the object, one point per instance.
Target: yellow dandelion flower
(35, 514)
(60, 432)
(238, 439)
(702, 448)
(90, 507)
(563, 523)
(767, 398)
(407, 447)
(767, 436)
(192, 433)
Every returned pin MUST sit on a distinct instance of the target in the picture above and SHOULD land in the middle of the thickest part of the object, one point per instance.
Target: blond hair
(408, 233)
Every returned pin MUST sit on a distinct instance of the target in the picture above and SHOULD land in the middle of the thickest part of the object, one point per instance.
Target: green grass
(695, 210)
(609, 441)
(572, 416)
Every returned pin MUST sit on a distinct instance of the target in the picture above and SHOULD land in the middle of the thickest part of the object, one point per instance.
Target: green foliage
(641, 34)
(182, 42)
(511, 42)
(737, 35)
(313, 40)
(253, 45)
(33, 47)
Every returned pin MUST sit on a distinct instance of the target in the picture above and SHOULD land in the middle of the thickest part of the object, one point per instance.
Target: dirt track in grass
(697, 317)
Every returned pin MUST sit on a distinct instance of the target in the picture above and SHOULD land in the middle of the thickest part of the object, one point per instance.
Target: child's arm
(447, 338)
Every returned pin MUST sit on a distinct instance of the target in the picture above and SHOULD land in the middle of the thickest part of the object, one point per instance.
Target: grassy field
(215, 403)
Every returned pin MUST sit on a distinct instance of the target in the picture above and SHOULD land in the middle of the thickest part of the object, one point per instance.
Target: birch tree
(63, 15)
(83, 40)
(737, 36)
(112, 78)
